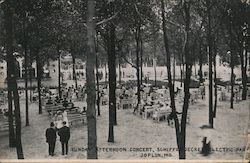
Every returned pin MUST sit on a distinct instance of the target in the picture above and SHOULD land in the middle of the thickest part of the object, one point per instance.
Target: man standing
(51, 138)
(64, 134)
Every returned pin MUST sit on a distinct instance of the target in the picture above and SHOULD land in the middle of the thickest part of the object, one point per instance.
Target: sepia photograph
(125, 80)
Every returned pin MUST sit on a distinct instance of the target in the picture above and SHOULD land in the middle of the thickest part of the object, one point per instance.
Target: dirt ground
(136, 138)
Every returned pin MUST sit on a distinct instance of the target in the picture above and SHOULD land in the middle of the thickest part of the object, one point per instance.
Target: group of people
(51, 136)
(74, 93)
(60, 117)
(4, 111)
(57, 100)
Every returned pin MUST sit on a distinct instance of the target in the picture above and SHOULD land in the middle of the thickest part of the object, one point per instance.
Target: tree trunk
(26, 74)
(106, 73)
(97, 77)
(120, 72)
(26, 87)
(155, 72)
(231, 65)
(182, 70)
(232, 81)
(39, 78)
(97, 85)
(8, 16)
(112, 77)
(112, 80)
(182, 142)
(200, 64)
(10, 83)
(215, 81)
(10, 115)
(181, 74)
(10, 105)
(30, 76)
(244, 73)
(210, 72)
(141, 58)
(137, 39)
(59, 72)
(17, 120)
(180, 134)
(90, 81)
(174, 65)
(74, 68)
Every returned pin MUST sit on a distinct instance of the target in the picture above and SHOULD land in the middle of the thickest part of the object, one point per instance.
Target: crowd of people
(156, 99)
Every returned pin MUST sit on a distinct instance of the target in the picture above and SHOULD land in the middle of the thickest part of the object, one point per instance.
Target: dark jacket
(64, 134)
(50, 135)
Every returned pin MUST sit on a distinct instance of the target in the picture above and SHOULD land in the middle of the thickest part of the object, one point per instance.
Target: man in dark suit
(51, 138)
(64, 134)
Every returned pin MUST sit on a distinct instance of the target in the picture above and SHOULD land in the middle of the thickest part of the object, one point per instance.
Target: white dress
(65, 118)
(59, 121)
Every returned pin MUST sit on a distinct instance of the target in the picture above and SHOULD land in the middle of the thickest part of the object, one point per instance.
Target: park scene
(125, 80)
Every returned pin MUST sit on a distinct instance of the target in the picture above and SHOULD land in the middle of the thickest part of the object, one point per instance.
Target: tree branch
(126, 60)
(137, 11)
(176, 24)
(108, 19)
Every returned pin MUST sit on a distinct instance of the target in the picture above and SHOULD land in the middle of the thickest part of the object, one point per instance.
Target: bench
(162, 113)
(76, 117)
(139, 109)
(148, 111)
(4, 124)
(52, 109)
(127, 103)
(72, 109)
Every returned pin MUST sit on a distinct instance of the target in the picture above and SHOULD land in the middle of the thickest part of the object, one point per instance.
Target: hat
(52, 124)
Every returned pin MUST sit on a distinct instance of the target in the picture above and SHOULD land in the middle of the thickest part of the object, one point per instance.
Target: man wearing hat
(51, 138)
(64, 134)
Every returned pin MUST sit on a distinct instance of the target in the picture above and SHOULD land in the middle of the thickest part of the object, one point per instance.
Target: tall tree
(9, 82)
(39, 80)
(170, 83)
(180, 127)
(90, 81)
(111, 72)
(210, 63)
(112, 80)
(26, 86)
(10, 109)
(97, 77)
(188, 60)
(215, 76)
(8, 17)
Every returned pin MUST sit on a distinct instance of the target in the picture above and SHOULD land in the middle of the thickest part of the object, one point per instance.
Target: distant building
(50, 69)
